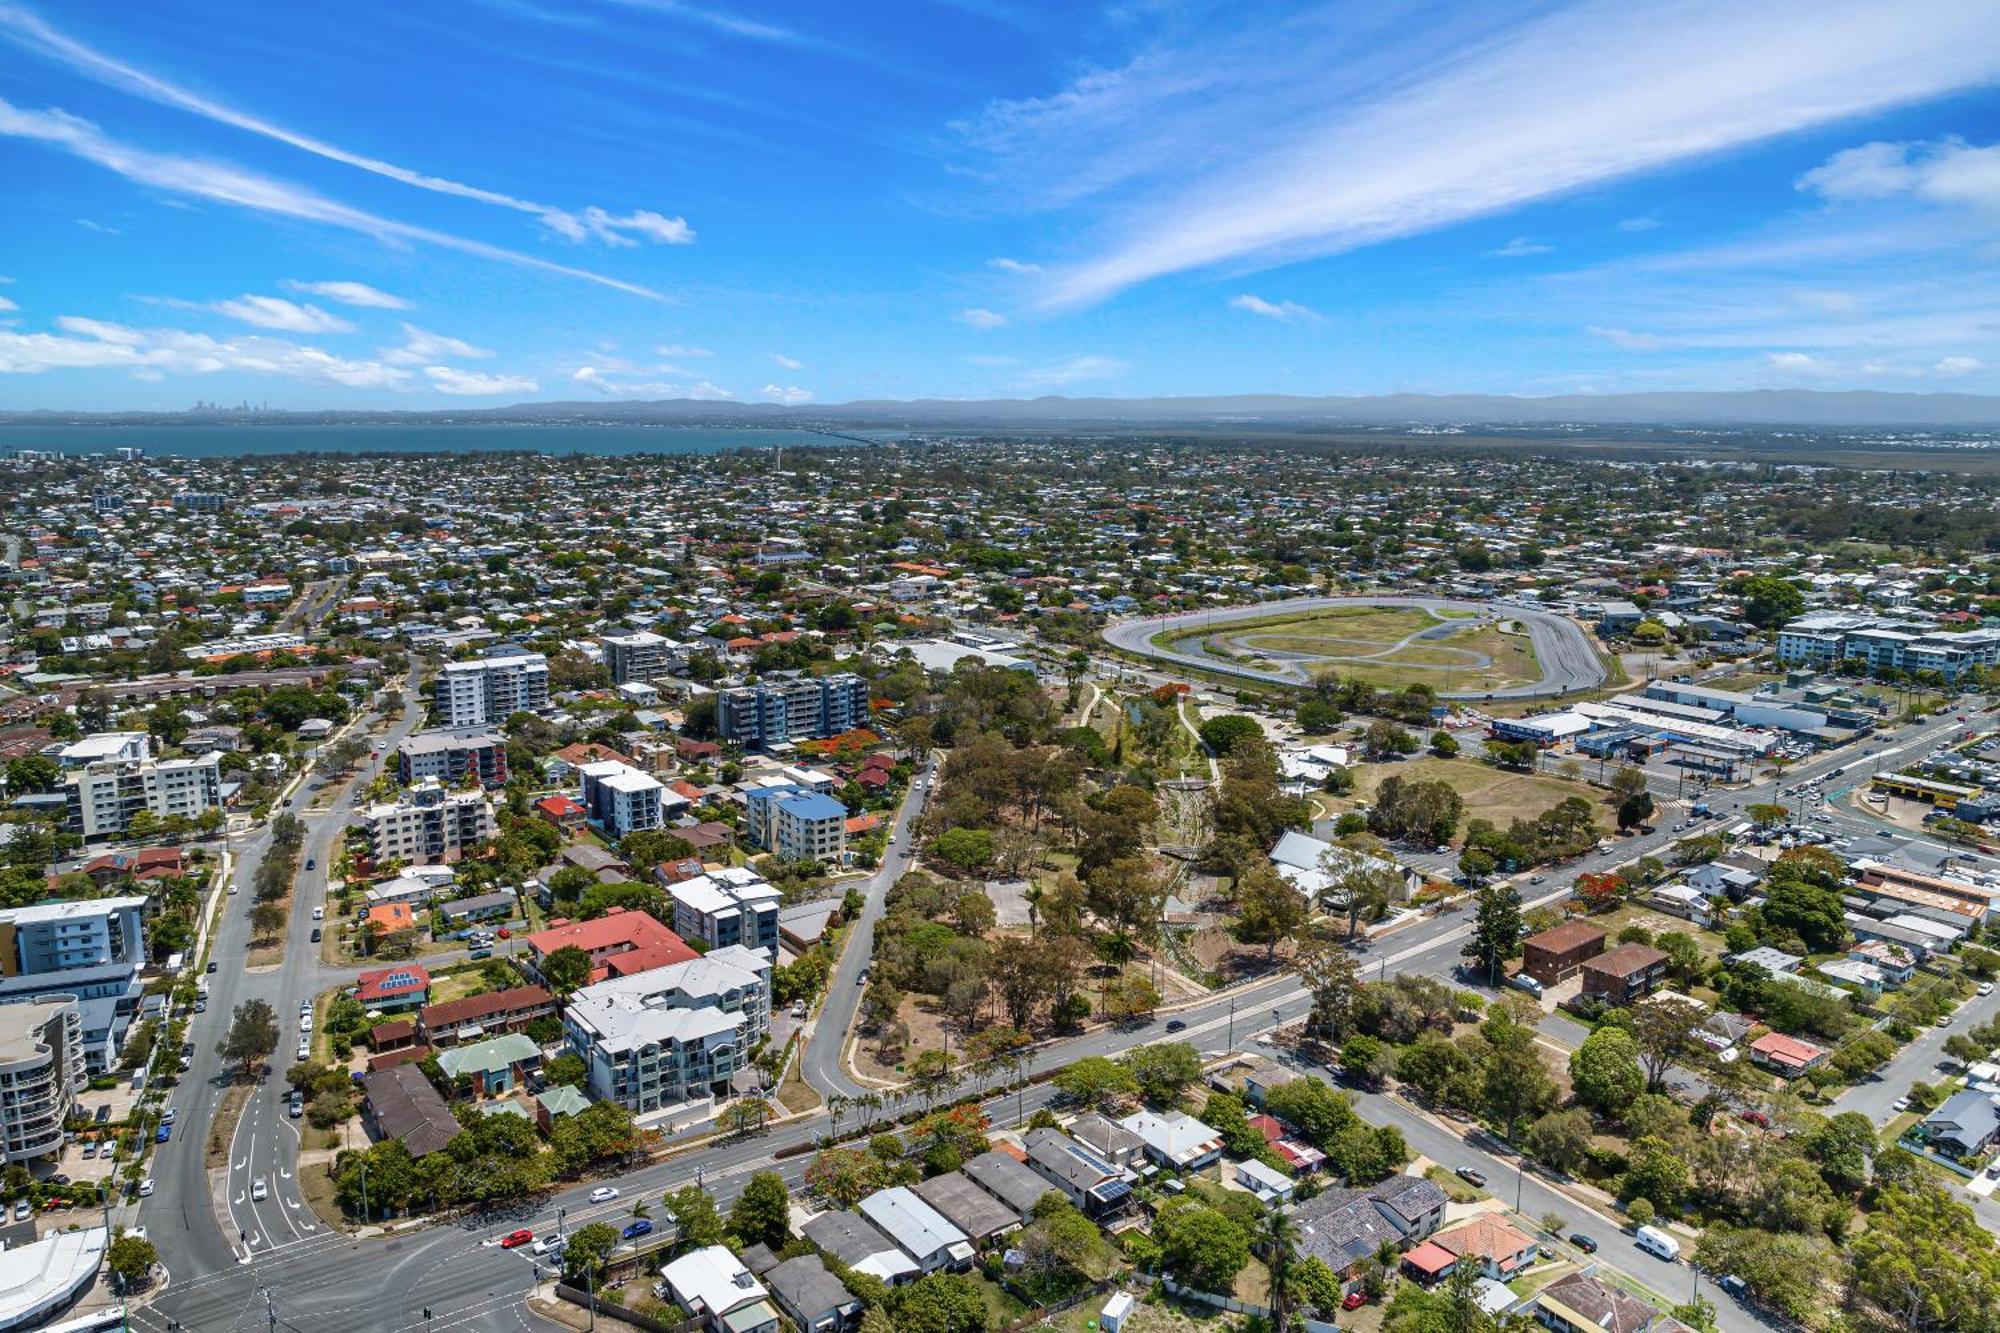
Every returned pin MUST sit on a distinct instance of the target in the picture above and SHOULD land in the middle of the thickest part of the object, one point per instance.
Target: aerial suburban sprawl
(943, 885)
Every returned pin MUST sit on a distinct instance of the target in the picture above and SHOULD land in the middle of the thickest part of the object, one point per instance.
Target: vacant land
(1388, 646)
(1490, 793)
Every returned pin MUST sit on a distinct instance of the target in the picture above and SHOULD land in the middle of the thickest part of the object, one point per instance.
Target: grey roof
(966, 1206)
(847, 1236)
(1342, 1227)
(1407, 1197)
(407, 1107)
(1062, 1156)
(1104, 1135)
(1607, 1307)
(1969, 1116)
(806, 1289)
(1007, 1180)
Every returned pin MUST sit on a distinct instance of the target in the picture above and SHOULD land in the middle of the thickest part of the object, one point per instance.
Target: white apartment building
(428, 824)
(492, 689)
(105, 747)
(641, 656)
(104, 796)
(619, 799)
(41, 1072)
(675, 1034)
(728, 906)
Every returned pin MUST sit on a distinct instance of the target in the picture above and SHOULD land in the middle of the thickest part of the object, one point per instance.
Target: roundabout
(1463, 649)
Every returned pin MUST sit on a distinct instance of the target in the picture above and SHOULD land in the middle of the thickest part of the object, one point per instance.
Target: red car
(1756, 1118)
(515, 1238)
(506, 934)
(1354, 1300)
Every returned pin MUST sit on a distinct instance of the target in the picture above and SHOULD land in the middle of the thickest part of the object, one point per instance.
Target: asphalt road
(1569, 663)
(822, 1064)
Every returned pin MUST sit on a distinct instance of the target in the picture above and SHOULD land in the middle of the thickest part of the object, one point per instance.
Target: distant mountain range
(1764, 408)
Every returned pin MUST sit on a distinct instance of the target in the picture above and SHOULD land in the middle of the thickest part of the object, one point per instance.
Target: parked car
(1472, 1177)
(1985, 988)
(305, 1048)
(145, 1190)
(604, 1194)
(319, 914)
(1735, 1286)
(305, 1022)
(516, 1238)
(634, 1230)
(1757, 1118)
(316, 935)
(211, 965)
(160, 1135)
(23, 1209)
(1354, 1300)
(1583, 1242)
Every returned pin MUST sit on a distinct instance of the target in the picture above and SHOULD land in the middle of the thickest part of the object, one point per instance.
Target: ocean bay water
(228, 440)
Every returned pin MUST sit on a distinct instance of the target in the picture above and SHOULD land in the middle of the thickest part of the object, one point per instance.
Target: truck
(1658, 1244)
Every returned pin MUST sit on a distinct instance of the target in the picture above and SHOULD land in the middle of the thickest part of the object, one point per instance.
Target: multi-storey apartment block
(41, 1071)
(428, 824)
(105, 795)
(805, 708)
(675, 1034)
(491, 689)
(451, 754)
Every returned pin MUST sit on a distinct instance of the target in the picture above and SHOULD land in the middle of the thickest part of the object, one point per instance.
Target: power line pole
(270, 1308)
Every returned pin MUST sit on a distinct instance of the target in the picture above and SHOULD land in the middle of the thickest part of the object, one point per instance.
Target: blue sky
(474, 203)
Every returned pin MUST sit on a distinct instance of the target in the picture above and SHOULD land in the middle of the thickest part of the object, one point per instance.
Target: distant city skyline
(525, 200)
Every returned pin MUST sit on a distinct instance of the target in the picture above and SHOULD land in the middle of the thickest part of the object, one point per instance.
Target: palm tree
(836, 1103)
(1278, 1232)
(1033, 896)
(870, 1103)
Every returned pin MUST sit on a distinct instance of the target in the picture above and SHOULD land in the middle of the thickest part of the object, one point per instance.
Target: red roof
(863, 823)
(1430, 1258)
(559, 807)
(1777, 1047)
(393, 983)
(616, 932)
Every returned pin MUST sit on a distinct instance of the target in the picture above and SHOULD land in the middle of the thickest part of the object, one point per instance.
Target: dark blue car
(634, 1230)
(164, 1133)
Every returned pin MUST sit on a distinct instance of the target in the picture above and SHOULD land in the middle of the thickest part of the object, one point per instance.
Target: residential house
(1345, 1227)
(966, 1206)
(1718, 879)
(495, 1065)
(1008, 1180)
(607, 938)
(1625, 973)
(400, 1103)
(394, 990)
(1085, 1179)
(1175, 1139)
(1495, 1248)
(1584, 1303)
(1560, 952)
(1965, 1125)
(1300, 1156)
(1269, 1184)
(712, 1285)
(1315, 868)
(918, 1229)
(479, 1016)
(499, 905)
(813, 1298)
(1684, 900)
(562, 811)
(858, 1243)
(1786, 1056)
(1108, 1139)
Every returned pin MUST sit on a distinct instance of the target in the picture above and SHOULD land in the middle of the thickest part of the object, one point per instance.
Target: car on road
(211, 967)
(634, 1230)
(257, 1191)
(549, 1245)
(311, 864)
(1472, 1177)
(516, 1238)
(1944, 1021)
(1583, 1242)
(145, 1189)
(604, 1194)
(305, 1022)
(319, 914)
(1985, 988)
(1177, 1025)
(163, 1133)
(1735, 1286)
(1900, 1105)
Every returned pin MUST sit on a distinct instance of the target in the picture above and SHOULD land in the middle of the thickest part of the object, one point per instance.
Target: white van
(1658, 1244)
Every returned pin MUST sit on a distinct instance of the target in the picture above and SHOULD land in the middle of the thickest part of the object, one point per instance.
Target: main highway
(1568, 661)
(321, 1279)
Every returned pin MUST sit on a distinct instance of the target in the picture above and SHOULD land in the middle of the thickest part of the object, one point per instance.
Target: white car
(305, 1048)
(146, 1188)
(305, 1022)
(604, 1194)
(319, 914)
(257, 1191)
(1985, 988)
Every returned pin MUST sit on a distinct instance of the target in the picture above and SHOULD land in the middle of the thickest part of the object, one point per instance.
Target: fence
(1040, 1312)
(577, 1296)
(1209, 1298)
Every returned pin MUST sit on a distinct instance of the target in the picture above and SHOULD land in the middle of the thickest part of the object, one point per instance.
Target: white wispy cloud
(1269, 139)
(83, 343)
(1628, 339)
(1076, 370)
(27, 29)
(223, 183)
(1006, 265)
(1285, 312)
(1519, 248)
(275, 312)
(6, 304)
(1646, 223)
(788, 362)
(790, 396)
(1799, 363)
(421, 346)
(1827, 301)
(979, 317)
(681, 350)
(471, 383)
(1938, 171)
(1952, 366)
(720, 20)
(349, 293)
(92, 224)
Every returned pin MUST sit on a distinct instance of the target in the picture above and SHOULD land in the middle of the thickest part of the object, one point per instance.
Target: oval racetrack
(1568, 661)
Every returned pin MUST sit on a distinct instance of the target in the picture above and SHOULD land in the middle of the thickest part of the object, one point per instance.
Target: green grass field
(1378, 645)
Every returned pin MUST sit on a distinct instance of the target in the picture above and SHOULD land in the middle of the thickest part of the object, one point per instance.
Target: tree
(1363, 888)
(844, 1177)
(762, 1213)
(586, 1250)
(1518, 1085)
(1561, 1139)
(1096, 1082)
(1278, 1234)
(693, 1211)
(941, 1303)
(1269, 910)
(1655, 1170)
(1769, 601)
(1496, 930)
(1597, 891)
(1663, 1030)
(567, 970)
(932, 1074)
(1766, 814)
(131, 1259)
(966, 849)
(1926, 1260)
(267, 919)
(974, 914)
(1801, 906)
(1605, 1072)
(1200, 1246)
(1332, 977)
(1792, 1274)
(1635, 809)
(253, 1035)
(1220, 733)
(1163, 1070)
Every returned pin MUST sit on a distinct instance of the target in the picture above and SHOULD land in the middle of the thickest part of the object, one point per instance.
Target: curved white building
(41, 1071)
